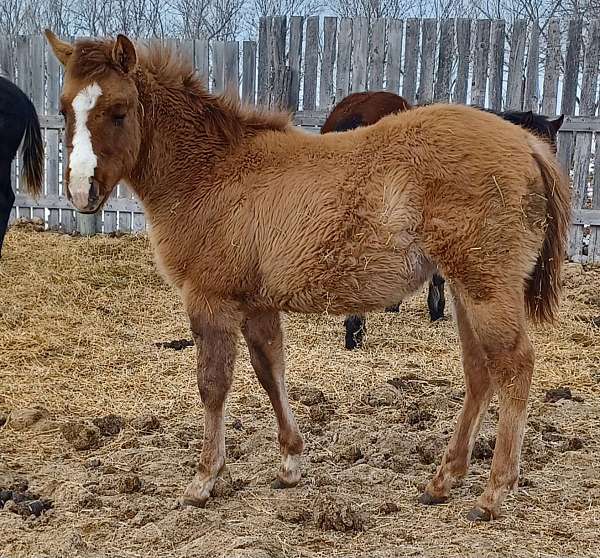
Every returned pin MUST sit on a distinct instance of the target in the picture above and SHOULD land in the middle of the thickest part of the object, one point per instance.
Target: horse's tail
(543, 288)
(32, 151)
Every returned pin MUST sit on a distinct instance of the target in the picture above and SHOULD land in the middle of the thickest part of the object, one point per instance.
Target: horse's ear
(62, 50)
(124, 55)
(556, 124)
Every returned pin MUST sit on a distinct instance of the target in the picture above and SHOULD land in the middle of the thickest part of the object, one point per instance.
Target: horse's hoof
(479, 514)
(191, 501)
(278, 484)
(429, 499)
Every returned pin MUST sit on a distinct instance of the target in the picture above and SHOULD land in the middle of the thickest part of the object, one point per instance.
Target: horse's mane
(171, 70)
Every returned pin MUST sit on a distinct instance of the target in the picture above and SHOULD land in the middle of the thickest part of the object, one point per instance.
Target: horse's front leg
(265, 343)
(216, 351)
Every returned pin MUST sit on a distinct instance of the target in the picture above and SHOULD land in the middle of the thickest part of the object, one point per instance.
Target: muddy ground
(102, 425)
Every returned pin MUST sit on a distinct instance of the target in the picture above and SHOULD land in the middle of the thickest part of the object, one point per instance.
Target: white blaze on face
(83, 160)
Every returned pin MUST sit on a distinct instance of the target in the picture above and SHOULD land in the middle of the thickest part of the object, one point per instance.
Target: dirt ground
(106, 424)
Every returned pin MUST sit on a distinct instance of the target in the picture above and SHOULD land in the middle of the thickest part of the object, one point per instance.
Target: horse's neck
(177, 150)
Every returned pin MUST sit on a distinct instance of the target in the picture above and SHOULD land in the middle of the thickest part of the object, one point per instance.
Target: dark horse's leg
(355, 329)
(436, 301)
(7, 199)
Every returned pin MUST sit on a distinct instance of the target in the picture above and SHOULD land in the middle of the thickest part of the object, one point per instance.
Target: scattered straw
(80, 320)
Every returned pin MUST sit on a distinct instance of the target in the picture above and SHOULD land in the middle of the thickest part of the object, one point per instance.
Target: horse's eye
(118, 119)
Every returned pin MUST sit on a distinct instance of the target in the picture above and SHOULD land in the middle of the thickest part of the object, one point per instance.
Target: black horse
(365, 109)
(18, 122)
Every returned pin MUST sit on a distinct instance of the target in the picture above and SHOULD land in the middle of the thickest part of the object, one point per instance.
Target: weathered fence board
(326, 89)
(231, 63)
(551, 68)
(428, 44)
(411, 46)
(482, 49)
(311, 60)
(377, 55)
(394, 55)
(344, 60)
(218, 66)
(295, 59)
(463, 44)
(496, 63)
(201, 59)
(360, 53)
(445, 61)
(515, 65)
(262, 95)
(248, 72)
(531, 100)
(53, 137)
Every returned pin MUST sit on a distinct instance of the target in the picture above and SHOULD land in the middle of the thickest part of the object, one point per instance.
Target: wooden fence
(308, 64)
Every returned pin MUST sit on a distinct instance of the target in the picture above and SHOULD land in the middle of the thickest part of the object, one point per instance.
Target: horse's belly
(365, 284)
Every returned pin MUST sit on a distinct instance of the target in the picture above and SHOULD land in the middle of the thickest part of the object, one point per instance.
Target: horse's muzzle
(94, 199)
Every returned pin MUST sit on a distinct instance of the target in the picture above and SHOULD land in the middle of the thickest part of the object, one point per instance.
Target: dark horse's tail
(542, 291)
(32, 152)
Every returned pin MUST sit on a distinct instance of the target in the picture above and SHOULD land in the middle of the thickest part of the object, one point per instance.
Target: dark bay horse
(18, 123)
(367, 107)
(251, 217)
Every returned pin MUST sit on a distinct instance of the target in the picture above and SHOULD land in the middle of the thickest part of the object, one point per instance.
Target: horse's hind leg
(455, 461)
(510, 362)
(265, 342)
(498, 324)
(436, 301)
(216, 351)
(356, 327)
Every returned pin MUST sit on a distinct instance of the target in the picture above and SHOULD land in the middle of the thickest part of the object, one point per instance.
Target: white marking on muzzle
(83, 160)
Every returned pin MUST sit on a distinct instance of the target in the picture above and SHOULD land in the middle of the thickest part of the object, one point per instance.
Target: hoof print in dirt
(336, 514)
(430, 450)
(384, 395)
(129, 485)
(237, 424)
(525, 482)
(290, 513)
(23, 419)
(554, 395)
(223, 488)
(419, 418)
(110, 425)
(574, 444)
(308, 396)
(81, 435)
(24, 503)
(483, 449)
(176, 344)
(388, 507)
(320, 413)
(351, 453)
(146, 424)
